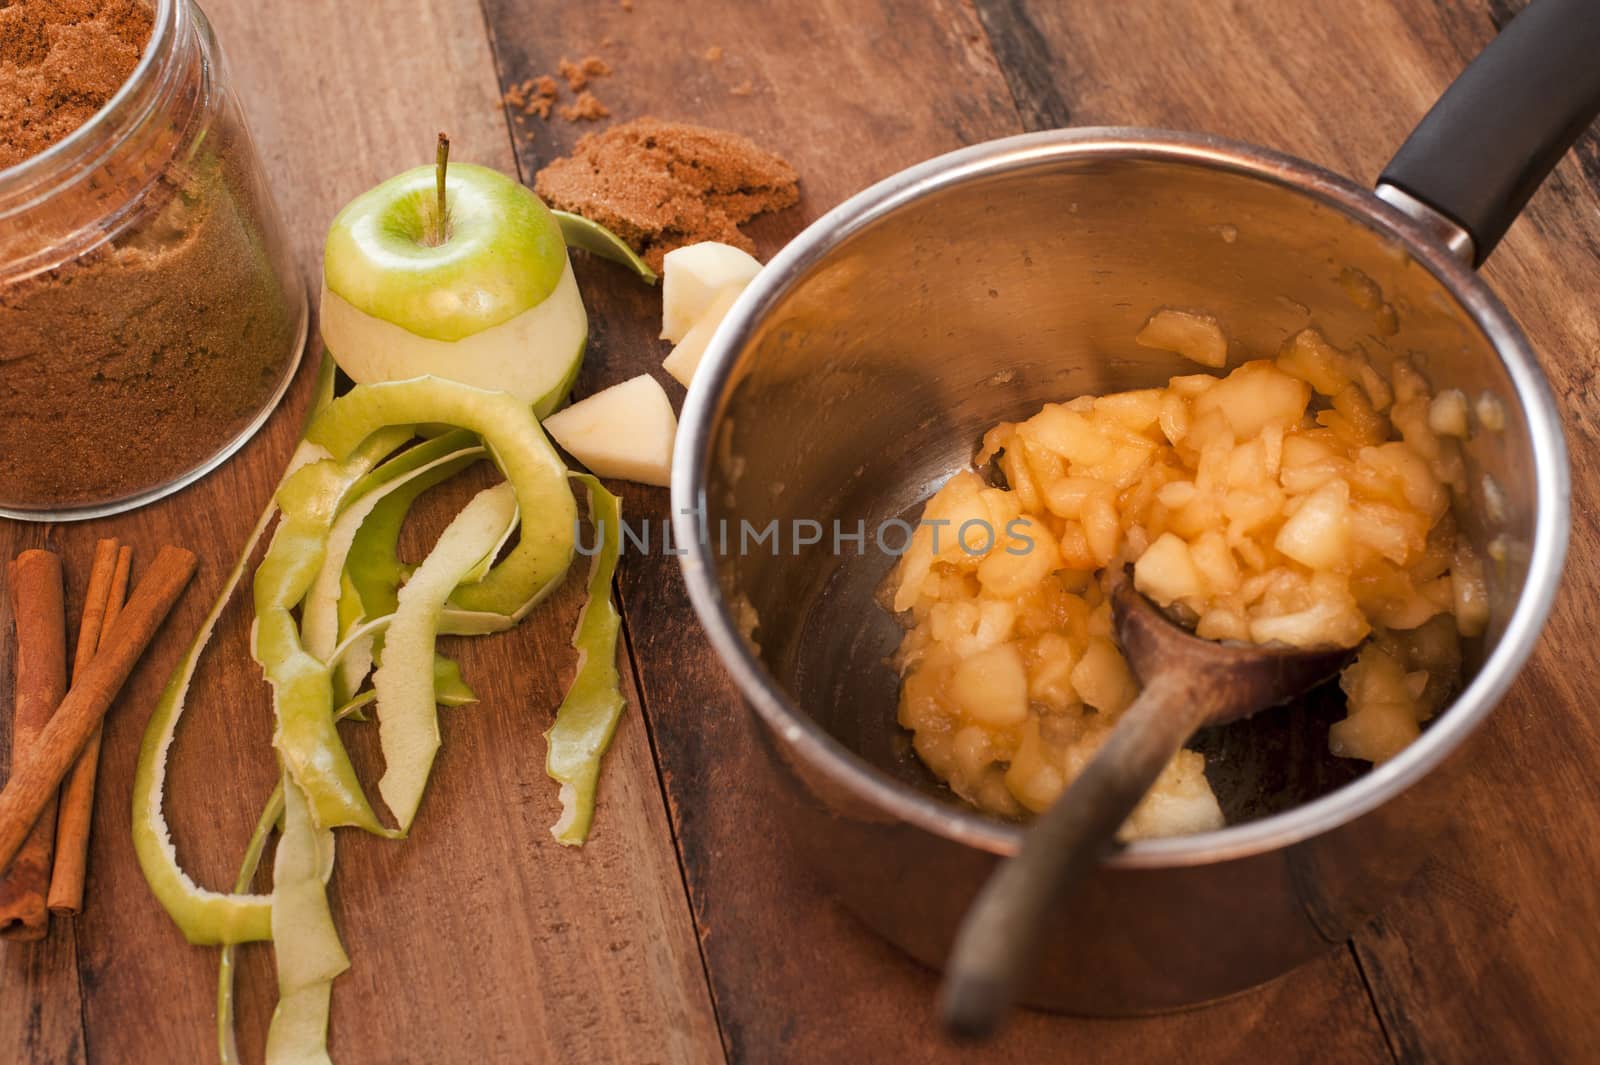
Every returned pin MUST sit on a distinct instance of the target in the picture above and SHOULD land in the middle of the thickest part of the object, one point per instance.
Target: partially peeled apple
(462, 274)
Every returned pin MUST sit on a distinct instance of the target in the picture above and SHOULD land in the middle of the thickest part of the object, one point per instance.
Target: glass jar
(150, 313)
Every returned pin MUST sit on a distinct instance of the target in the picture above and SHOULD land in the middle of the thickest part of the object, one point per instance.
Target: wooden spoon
(1188, 683)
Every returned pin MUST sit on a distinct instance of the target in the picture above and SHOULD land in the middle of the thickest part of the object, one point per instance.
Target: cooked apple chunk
(1197, 337)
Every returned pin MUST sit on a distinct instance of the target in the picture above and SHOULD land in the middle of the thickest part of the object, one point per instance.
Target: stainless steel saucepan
(861, 367)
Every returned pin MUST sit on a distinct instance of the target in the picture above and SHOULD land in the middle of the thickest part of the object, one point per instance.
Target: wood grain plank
(1493, 962)
(1490, 954)
(479, 939)
(1031, 68)
(43, 1021)
(848, 92)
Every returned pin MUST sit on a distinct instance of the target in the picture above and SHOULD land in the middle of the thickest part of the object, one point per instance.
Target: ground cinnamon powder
(161, 326)
(60, 62)
(661, 185)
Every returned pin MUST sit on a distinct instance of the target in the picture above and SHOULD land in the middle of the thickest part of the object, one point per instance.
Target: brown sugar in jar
(149, 314)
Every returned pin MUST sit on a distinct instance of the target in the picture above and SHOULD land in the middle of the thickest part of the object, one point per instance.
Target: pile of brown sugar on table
(60, 62)
(661, 185)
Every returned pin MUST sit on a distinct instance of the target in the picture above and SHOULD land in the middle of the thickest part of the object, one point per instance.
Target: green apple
(488, 299)
(625, 431)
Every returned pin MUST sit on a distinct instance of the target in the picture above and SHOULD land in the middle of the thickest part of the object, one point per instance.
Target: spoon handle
(1000, 935)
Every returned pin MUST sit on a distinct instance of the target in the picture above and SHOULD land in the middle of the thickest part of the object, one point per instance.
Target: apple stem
(441, 230)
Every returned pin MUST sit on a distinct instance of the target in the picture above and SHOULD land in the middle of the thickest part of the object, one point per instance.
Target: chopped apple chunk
(992, 686)
(1197, 337)
(1166, 573)
(1317, 535)
(691, 278)
(625, 431)
(685, 357)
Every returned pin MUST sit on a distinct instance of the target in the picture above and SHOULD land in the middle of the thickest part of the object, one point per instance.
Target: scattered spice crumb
(661, 185)
(744, 88)
(585, 109)
(537, 96)
(714, 54)
(627, 5)
(576, 78)
(533, 96)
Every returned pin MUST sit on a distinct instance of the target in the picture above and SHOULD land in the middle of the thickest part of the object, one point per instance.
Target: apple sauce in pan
(1301, 500)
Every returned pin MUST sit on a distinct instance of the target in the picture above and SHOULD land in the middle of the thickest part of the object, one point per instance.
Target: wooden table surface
(684, 932)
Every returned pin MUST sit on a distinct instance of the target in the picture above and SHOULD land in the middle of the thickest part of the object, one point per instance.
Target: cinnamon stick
(33, 782)
(119, 589)
(77, 796)
(41, 679)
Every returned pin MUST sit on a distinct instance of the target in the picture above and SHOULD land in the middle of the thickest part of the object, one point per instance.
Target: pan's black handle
(1504, 123)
